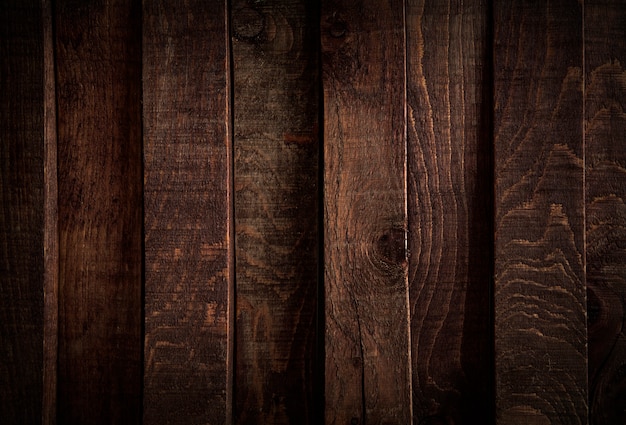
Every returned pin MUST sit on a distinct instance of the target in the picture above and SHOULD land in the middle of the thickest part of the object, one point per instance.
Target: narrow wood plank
(98, 54)
(276, 143)
(540, 315)
(449, 207)
(22, 211)
(51, 225)
(188, 246)
(605, 194)
(368, 363)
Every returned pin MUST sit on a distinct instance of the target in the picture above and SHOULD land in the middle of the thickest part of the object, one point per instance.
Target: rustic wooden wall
(294, 212)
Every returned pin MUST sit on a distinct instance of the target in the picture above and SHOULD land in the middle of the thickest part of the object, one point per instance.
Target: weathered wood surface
(22, 188)
(540, 314)
(449, 209)
(188, 242)
(368, 363)
(275, 112)
(98, 68)
(605, 168)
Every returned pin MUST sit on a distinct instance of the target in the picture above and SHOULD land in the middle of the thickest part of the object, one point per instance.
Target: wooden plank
(188, 242)
(51, 226)
(605, 194)
(368, 363)
(276, 143)
(98, 55)
(540, 315)
(22, 212)
(449, 209)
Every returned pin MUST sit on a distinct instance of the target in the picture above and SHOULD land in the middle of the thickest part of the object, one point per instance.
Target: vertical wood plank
(51, 226)
(368, 363)
(605, 167)
(275, 60)
(187, 199)
(22, 153)
(540, 315)
(98, 54)
(449, 207)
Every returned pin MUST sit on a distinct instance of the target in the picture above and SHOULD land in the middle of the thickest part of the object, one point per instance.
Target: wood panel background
(293, 212)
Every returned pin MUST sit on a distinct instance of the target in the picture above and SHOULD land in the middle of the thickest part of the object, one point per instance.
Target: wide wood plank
(368, 363)
(276, 144)
(188, 246)
(449, 209)
(605, 194)
(22, 211)
(540, 320)
(98, 55)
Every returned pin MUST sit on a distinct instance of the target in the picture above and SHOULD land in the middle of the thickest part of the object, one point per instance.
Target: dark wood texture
(51, 225)
(22, 153)
(605, 168)
(540, 314)
(449, 209)
(187, 154)
(275, 60)
(98, 70)
(368, 362)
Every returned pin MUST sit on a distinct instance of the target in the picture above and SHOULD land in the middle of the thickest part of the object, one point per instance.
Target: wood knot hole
(248, 24)
(391, 246)
(338, 29)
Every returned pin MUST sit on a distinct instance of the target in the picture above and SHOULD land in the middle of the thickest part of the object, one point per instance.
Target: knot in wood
(391, 246)
(248, 24)
(338, 29)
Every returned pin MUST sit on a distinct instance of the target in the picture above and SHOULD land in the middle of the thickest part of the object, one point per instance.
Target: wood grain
(276, 144)
(368, 363)
(98, 55)
(22, 188)
(449, 210)
(540, 320)
(188, 245)
(605, 194)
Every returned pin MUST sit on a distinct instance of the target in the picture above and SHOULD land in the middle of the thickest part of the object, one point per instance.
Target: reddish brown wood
(188, 242)
(22, 211)
(276, 82)
(98, 55)
(449, 207)
(368, 363)
(605, 168)
(540, 321)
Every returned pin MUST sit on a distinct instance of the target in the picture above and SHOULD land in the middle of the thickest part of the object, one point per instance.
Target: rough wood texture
(51, 228)
(187, 212)
(368, 363)
(22, 211)
(449, 210)
(605, 167)
(98, 56)
(275, 59)
(540, 320)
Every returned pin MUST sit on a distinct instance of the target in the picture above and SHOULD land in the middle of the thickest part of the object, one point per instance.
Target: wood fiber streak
(449, 210)
(276, 146)
(21, 211)
(368, 360)
(605, 167)
(98, 71)
(187, 155)
(540, 314)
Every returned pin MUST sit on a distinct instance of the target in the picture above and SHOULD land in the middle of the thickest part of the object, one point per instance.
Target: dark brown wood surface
(540, 314)
(98, 69)
(276, 144)
(605, 172)
(188, 242)
(22, 187)
(368, 363)
(449, 207)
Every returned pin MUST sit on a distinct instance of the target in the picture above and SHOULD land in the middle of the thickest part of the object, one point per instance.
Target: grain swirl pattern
(540, 311)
